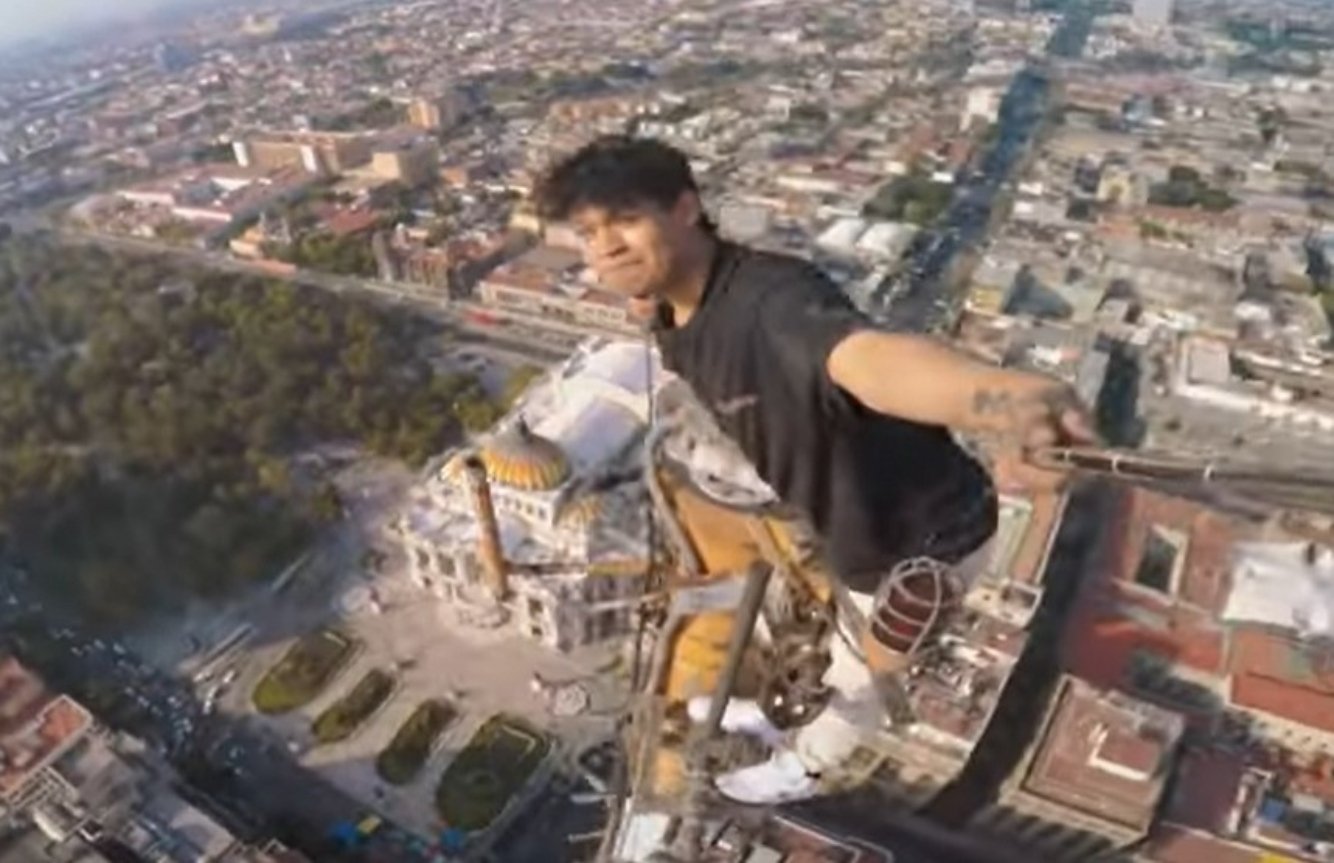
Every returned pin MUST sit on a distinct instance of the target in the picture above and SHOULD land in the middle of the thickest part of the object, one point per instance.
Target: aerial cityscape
(346, 514)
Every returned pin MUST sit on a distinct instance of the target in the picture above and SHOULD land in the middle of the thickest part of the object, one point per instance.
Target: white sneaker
(742, 716)
(781, 779)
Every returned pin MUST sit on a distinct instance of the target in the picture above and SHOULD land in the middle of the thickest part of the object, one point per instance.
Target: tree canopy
(1186, 188)
(343, 256)
(914, 198)
(151, 415)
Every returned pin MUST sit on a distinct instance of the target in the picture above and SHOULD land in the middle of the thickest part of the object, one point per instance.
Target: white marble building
(563, 479)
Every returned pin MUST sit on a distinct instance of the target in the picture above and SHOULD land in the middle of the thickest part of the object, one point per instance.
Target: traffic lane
(272, 782)
(164, 711)
(964, 222)
(563, 825)
(422, 301)
(256, 774)
(158, 708)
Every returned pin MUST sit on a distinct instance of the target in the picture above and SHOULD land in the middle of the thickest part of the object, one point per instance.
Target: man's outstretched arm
(919, 379)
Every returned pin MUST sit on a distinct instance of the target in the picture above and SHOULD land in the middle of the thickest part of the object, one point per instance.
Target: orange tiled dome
(583, 510)
(521, 459)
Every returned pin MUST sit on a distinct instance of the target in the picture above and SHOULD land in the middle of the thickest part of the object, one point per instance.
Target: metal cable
(651, 574)
(652, 579)
(1312, 486)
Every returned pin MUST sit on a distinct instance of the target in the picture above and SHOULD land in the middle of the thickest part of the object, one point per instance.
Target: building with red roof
(1148, 617)
(1166, 615)
(36, 727)
(1286, 683)
(1093, 778)
(552, 283)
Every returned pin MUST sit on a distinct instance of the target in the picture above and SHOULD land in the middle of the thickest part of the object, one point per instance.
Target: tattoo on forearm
(1059, 399)
(995, 408)
(1006, 411)
(991, 402)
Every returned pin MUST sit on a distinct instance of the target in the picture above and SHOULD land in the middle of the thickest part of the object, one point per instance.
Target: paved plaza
(405, 630)
(399, 628)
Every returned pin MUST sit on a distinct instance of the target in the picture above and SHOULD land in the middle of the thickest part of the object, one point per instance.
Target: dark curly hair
(616, 171)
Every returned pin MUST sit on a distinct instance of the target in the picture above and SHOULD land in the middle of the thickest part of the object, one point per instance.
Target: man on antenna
(849, 424)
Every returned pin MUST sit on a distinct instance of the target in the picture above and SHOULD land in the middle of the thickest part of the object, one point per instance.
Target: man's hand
(1013, 414)
(1018, 418)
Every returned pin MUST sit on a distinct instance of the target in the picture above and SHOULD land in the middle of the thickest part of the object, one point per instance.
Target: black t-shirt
(877, 489)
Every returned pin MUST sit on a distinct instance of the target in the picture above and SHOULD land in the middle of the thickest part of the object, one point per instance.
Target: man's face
(635, 251)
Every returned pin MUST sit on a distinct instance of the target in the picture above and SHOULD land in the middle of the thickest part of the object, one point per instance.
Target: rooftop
(1170, 843)
(1206, 790)
(552, 271)
(194, 835)
(316, 138)
(1028, 525)
(1184, 590)
(1105, 754)
(517, 457)
(1280, 675)
(345, 221)
(802, 844)
(954, 688)
(1290, 810)
(35, 725)
(1284, 584)
(1161, 579)
(555, 463)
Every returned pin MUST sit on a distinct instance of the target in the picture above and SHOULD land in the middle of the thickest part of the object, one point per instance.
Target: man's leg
(822, 752)
(817, 751)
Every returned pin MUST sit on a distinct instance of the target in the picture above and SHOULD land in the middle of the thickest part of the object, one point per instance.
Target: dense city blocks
(875, 431)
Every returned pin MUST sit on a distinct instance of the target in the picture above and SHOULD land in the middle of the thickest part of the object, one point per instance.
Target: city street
(218, 449)
(916, 300)
(510, 337)
(191, 691)
(162, 708)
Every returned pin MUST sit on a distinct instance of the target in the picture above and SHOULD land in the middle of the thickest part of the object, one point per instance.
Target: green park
(303, 672)
(490, 772)
(153, 416)
(401, 761)
(347, 714)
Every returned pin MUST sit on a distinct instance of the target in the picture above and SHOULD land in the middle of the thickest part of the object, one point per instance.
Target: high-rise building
(1093, 779)
(1153, 13)
(322, 153)
(435, 113)
(412, 162)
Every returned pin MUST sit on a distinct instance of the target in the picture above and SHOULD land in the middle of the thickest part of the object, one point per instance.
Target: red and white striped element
(911, 604)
